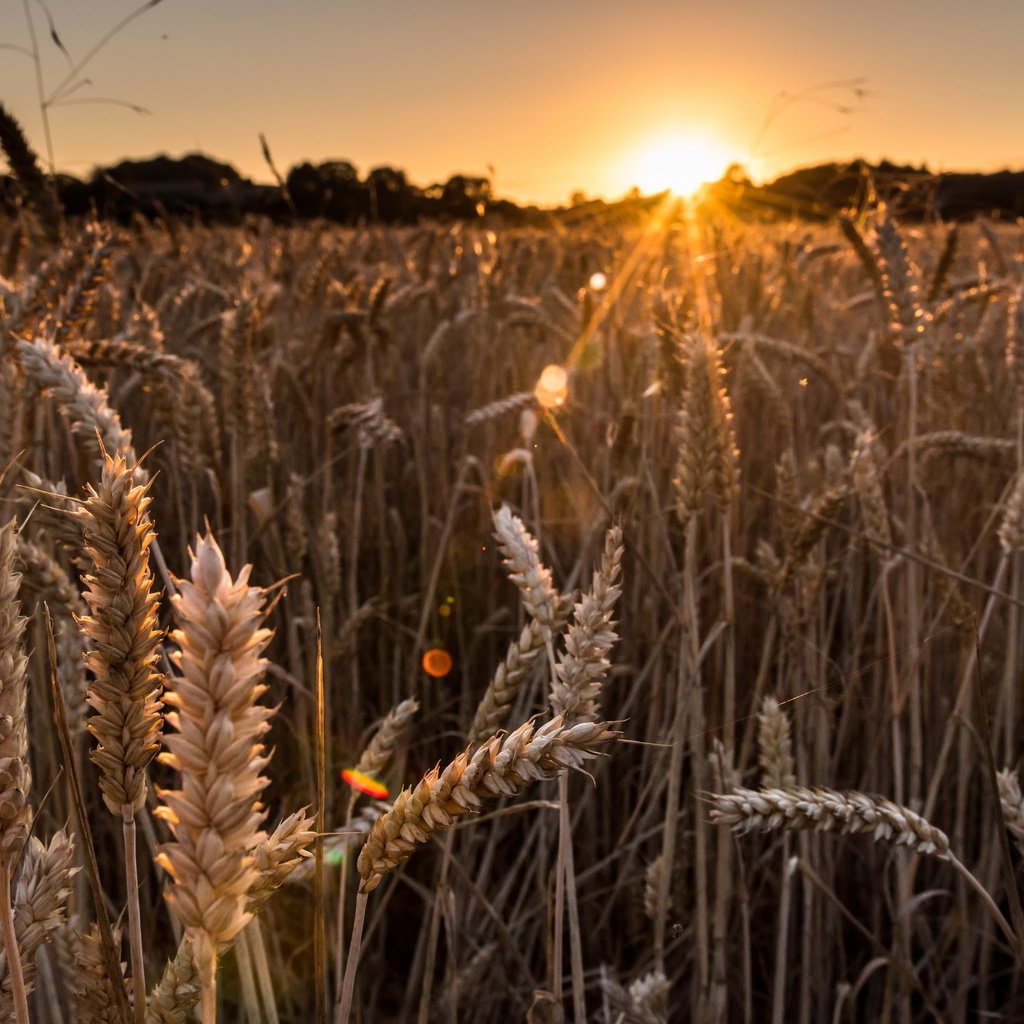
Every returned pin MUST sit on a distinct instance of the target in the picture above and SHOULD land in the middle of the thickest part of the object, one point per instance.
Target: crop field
(614, 622)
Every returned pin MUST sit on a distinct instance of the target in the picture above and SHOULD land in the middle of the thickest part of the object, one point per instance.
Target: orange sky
(556, 95)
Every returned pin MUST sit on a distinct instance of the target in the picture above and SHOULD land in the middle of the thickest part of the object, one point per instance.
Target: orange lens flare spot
(552, 387)
(437, 662)
(365, 783)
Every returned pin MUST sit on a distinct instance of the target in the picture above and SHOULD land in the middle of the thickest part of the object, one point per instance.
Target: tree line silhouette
(196, 185)
(200, 187)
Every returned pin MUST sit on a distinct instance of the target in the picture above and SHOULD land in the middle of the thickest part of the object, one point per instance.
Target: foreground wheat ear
(221, 857)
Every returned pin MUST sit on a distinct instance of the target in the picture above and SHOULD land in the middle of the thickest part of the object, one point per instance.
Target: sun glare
(680, 161)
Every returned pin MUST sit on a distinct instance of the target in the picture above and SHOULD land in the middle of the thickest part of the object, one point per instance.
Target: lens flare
(365, 783)
(552, 387)
(437, 662)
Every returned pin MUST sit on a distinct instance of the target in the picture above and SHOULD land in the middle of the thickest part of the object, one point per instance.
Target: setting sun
(681, 161)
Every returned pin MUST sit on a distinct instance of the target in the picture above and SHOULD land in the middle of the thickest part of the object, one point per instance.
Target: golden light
(680, 161)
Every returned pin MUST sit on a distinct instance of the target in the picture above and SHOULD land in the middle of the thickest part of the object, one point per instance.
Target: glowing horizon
(680, 160)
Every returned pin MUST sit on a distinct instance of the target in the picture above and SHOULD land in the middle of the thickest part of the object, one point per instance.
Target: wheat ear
(583, 665)
(40, 908)
(523, 655)
(525, 568)
(177, 993)
(95, 1001)
(38, 189)
(500, 767)
(1012, 802)
(388, 738)
(85, 404)
(775, 746)
(827, 810)
(125, 693)
(15, 775)
(216, 817)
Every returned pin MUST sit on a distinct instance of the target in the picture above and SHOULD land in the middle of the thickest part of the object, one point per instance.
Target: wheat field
(753, 560)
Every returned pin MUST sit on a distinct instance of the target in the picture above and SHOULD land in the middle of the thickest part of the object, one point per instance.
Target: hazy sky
(556, 95)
